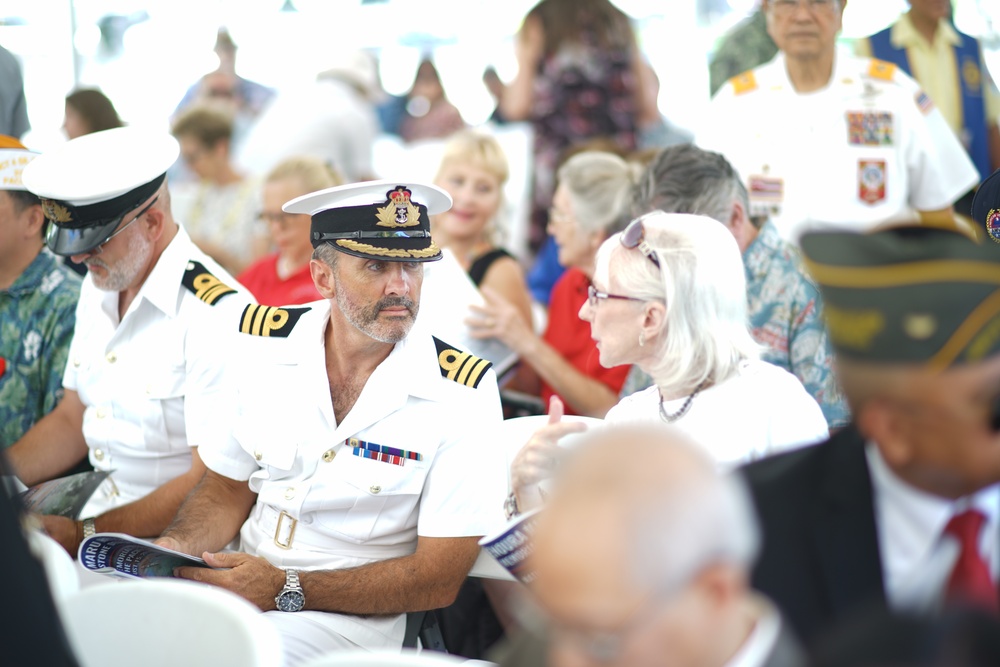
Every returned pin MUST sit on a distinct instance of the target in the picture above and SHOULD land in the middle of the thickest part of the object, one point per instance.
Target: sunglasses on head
(634, 237)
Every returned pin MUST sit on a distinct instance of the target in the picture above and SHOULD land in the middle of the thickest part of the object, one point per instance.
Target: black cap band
(68, 216)
(345, 222)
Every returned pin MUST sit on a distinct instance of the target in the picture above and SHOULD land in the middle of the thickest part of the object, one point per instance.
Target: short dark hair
(688, 179)
(22, 199)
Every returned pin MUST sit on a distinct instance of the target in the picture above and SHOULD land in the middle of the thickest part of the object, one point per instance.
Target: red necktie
(970, 582)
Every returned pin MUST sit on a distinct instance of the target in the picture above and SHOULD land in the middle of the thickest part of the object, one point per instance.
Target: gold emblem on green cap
(56, 212)
(853, 328)
(920, 326)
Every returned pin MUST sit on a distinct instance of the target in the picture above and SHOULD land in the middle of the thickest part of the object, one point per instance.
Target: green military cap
(908, 294)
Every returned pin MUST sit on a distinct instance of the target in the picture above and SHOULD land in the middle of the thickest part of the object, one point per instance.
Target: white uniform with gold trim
(348, 509)
(867, 149)
(149, 387)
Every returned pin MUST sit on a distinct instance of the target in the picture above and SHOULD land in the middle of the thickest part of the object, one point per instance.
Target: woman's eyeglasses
(593, 296)
(634, 237)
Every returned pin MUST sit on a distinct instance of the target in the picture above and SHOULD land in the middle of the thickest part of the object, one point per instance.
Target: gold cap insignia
(398, 211)
(56, 212)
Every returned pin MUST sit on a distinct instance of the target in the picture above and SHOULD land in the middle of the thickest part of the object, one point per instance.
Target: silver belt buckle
(287, 544)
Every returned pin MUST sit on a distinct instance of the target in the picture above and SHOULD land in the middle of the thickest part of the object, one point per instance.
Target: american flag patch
(924, 101)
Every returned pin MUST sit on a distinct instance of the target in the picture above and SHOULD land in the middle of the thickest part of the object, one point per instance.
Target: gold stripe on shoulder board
(258, 320)
(203, 284)
(461, 367)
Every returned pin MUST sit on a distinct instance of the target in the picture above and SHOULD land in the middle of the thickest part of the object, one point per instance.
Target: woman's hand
(500, 319)
(540, 455)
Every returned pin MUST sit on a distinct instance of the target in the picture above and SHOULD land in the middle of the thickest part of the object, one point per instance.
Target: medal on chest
(871, 181)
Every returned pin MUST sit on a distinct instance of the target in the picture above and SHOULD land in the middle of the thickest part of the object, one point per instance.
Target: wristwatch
(88, 528)
(291, 597)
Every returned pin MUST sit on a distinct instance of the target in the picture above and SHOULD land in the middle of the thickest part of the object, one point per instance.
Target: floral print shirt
(37, 315)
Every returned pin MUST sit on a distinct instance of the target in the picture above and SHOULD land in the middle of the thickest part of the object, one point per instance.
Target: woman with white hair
(593, 189)
(669, 295)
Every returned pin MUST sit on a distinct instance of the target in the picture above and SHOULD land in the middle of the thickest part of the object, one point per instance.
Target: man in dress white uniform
(137, 385)
(824, 139)
(361, 437)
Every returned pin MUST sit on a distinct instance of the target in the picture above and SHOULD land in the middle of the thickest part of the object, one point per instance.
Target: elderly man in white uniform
(356, 463)
(824, 139)
(138, 387)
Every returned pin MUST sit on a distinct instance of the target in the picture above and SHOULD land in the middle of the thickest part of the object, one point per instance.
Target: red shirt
(570, 336)
(261, 278)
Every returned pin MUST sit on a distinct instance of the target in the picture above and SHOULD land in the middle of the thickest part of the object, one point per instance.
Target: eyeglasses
(593, 296)
(789, 6)
(100, 247)
(281, 219)
(634, 236)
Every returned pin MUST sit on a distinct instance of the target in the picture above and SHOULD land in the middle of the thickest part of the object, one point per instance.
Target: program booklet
(65, 496)
(511, 545)
(126, 556)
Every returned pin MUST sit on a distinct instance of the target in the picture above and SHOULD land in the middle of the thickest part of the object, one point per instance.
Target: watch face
(291, 601)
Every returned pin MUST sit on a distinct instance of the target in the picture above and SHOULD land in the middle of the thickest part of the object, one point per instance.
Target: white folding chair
(59, 567)
(168, 622)
(391, 659)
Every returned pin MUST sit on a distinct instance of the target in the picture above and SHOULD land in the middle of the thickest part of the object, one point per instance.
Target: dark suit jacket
(820, 560)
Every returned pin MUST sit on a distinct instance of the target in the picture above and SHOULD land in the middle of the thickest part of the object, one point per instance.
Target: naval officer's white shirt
(349, 510)
(802, 163)
(148, 382)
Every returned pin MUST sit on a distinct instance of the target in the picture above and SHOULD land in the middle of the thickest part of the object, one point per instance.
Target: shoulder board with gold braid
(462, 367)
(881, 70)
(258, 320)
(205, 286)
(744, 83)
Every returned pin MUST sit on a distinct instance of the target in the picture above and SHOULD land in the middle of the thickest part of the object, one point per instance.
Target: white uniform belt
(290, 533)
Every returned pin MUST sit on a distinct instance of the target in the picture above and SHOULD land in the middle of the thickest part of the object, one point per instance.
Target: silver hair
(327, 254)
(599, 185)
(687, 179)
(705, 334)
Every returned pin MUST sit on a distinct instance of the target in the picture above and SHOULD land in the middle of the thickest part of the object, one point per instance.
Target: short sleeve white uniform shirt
(869, 148)
(147, 383)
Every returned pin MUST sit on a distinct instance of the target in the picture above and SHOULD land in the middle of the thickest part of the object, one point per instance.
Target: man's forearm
(428, 579)
(149, 516)
(211, 515)
(53, 445)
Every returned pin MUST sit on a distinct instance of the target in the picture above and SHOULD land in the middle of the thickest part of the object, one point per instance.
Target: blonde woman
(473, 171)
(283, 278)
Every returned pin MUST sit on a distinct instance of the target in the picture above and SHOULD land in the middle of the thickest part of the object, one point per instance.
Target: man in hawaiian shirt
(784, 305)
(38, 297)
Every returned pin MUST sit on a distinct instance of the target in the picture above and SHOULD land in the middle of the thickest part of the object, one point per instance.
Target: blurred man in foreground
(643, 557)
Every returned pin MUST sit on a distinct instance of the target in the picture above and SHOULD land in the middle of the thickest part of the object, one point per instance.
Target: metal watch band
(292, 579)
(88, 528)
(510, 508)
